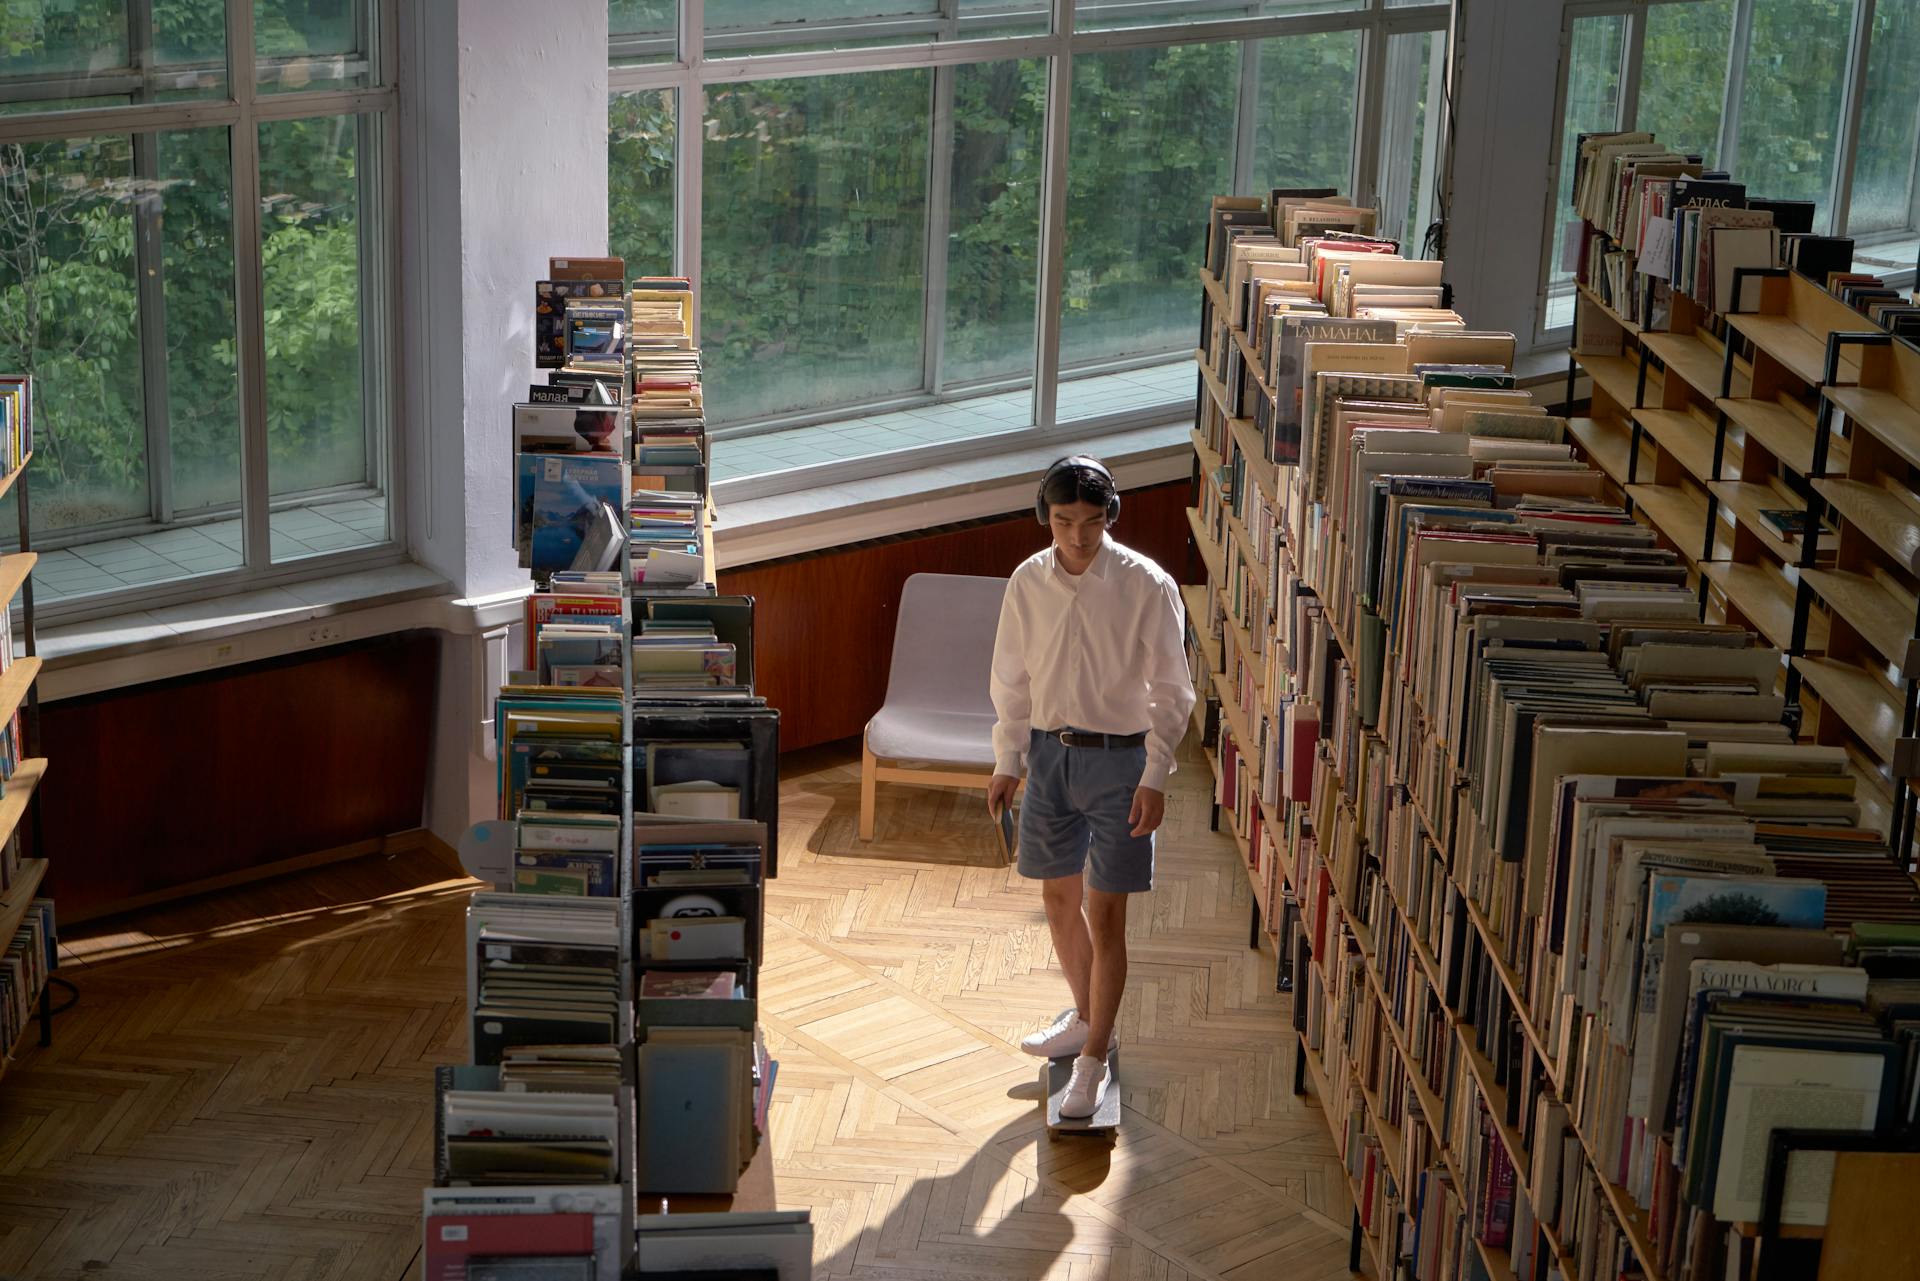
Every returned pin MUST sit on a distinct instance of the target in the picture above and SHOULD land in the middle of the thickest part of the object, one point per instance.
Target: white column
(503, 111)
(1505, 72)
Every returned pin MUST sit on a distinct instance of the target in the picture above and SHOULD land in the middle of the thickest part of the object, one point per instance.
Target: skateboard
(1104, 1123)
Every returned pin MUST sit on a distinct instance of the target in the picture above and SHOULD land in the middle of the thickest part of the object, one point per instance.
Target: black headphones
(1082, 463)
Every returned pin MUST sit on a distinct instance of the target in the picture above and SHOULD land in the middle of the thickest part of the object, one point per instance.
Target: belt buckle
(1062, 736)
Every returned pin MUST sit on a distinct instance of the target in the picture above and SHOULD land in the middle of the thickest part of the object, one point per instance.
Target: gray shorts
(1077, 800)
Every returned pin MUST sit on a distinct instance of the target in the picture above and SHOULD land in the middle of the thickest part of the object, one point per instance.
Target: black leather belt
(1074, 738)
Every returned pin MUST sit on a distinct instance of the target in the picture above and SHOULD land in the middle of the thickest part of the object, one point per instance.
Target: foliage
(1683, 75)
(70, 314)
(813, 239)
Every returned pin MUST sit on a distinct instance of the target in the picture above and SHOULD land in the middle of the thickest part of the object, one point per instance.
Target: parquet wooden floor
(244, 1089)
(899, 979)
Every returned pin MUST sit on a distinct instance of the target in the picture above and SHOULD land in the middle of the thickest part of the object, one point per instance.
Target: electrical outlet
(324, 634)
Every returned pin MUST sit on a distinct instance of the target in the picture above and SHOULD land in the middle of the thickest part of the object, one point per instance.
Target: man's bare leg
(1072, 943)
(1107, 928)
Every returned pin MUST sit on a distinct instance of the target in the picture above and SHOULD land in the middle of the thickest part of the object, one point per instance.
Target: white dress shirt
(1103, 651)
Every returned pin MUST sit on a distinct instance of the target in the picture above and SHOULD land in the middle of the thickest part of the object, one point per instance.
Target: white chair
(936, 726)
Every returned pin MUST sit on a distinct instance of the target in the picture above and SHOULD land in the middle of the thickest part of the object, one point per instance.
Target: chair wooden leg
(867, 782)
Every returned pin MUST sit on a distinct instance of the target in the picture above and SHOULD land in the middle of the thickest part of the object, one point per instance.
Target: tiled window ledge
(761, 529)
(221, 631)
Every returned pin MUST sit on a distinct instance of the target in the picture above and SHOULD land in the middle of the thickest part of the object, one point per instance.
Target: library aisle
(239, 1095)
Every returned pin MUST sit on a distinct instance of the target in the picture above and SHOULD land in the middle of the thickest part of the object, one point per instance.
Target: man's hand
(1149, 807)
(1000, 792)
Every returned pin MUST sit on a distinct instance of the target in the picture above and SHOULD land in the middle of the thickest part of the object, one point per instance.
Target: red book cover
(1322, 890)
(1499, 1204)
(452, 1239)
(542, 606)
(1367, 1181)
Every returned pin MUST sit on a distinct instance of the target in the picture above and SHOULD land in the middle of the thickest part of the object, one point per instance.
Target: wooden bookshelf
(1871, 603)
(1863, 702)
(13, 574)
(20, 789)
(1791, 324)
(7, 480)
(1697, 360)
(1210, 551)
(1745, 500)
(1760, 596)
(1887, 515)
(1618, 377)
(1785, 428)
(1841, 609)
(1609, 443)
(1194, 597)
(1678, 512)
(1631, 327)
(25, 888)
(22, 786)
(1684, 435)
(14, 684)
(1890, 419)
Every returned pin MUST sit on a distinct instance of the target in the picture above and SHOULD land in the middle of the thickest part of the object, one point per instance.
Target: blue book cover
(568, 490)
(1795, 903)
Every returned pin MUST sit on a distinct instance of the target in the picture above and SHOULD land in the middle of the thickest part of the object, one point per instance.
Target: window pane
(993, 241)
(194, 216)
(117, 236)
(1593, 103)
(1303, 135)
(640, 180)
(57, 55)
(321, 446)
(305, 45)
(755, 26)
(1098, 15)
(813, 246)
(1409, 163)
(643, 30)
(1683, 78)
(1889, 125)
(1137, 169)
(69, 316)
(1790, 102)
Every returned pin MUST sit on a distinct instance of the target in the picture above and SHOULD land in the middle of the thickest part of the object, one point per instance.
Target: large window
(197, 294)
(1798, 99)
(922, 229)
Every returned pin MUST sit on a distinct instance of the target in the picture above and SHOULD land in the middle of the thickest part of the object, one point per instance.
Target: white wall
(1505, 73)
(503, 163)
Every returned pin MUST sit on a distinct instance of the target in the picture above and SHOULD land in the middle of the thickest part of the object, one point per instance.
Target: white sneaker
(1065, 1035)
(1085, 1088)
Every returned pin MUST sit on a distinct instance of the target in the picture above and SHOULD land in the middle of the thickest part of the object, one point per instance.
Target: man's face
(1078, 530)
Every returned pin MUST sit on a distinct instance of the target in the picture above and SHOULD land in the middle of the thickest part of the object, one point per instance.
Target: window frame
(696, 64)
(1846, 137)
(245, 107)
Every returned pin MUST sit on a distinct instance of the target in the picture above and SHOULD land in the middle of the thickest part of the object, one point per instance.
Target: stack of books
(1572, 917)
(16, 420)
(669, 412)
(24, 966)
(617, 1064)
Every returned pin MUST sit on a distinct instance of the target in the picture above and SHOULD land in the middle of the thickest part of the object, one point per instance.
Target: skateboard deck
(1104, 1123)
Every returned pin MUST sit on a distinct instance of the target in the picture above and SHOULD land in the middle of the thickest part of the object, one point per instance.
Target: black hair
(1072, 483)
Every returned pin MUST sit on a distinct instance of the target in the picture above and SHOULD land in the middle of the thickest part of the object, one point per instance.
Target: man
(1092, 693)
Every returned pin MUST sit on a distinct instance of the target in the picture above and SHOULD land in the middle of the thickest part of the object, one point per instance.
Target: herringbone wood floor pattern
(244, 1090)
(900, 977)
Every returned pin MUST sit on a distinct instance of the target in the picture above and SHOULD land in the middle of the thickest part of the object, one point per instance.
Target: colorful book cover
(568, 491)
(550, 315)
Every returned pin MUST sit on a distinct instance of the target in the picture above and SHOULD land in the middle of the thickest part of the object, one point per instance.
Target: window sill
(221, 631)
(753, 530)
